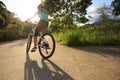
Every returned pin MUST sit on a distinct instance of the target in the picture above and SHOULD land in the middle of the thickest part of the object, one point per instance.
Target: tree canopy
(74, 9)
(104, 13)
(116, 7)
(4, 15)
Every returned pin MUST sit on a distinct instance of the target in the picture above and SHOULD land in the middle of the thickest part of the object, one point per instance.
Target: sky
(91, 10)
(22, 8)
(26, 8)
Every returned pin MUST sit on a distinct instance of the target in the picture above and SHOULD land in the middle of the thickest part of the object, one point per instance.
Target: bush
(103, 34)
(14, 31)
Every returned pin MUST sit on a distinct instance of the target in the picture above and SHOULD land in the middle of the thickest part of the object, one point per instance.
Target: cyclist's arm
(32, 17)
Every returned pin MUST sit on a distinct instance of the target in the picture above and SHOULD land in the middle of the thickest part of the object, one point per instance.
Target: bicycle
(46, 44)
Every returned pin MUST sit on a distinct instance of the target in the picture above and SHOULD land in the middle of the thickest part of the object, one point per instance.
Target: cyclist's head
(40, 7)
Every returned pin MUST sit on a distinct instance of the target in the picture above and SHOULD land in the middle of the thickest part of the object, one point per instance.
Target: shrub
(103, 34)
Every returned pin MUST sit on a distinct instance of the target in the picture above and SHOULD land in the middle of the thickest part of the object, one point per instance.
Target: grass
(103, 34)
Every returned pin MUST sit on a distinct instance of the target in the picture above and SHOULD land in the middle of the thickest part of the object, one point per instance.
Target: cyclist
(42, 24)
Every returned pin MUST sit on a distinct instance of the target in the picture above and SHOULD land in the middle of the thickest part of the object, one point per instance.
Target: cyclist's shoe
(34, 49)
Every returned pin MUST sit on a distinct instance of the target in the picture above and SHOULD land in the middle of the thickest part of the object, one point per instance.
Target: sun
(23, 9)
(29, 9)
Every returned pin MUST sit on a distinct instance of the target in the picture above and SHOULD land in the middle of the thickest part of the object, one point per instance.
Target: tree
(116, 7)
(72, 10)
(104, 12)
(4, 15)
(2, 5)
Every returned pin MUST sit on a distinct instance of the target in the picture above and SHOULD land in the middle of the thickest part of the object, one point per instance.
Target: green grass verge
(103, 34)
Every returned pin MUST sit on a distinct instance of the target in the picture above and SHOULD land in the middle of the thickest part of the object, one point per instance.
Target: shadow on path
(48, 71)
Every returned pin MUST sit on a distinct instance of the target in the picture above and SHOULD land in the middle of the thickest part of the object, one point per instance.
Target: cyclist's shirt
(43, 15)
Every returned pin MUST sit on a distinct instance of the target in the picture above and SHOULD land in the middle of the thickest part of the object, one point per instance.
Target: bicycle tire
(29, 43)
(53, 48)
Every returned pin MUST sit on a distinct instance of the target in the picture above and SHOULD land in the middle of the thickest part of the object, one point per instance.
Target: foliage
(12, 28)
(103, 34)
(75, 10)
(58, 25)
(116, 7)
(15, 31)
(104, 12)
(2, 5)
(5, 15)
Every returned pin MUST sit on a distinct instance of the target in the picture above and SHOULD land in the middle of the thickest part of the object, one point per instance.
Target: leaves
(12, 28)
(116, 7)
(4, 15)
(104, 13)
(103, 34)
(2, 5)
(69, 8)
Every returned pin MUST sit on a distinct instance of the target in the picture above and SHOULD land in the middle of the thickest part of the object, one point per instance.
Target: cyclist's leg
(36, 33)
(42, 25)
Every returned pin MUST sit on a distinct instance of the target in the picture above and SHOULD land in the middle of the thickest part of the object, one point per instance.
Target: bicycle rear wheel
(47, 46)
(28, 43)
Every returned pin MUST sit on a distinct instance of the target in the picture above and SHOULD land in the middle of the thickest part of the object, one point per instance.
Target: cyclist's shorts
(41, 27)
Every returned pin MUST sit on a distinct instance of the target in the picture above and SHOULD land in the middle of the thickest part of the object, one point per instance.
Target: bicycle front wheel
(28, 43)
(47, 46)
